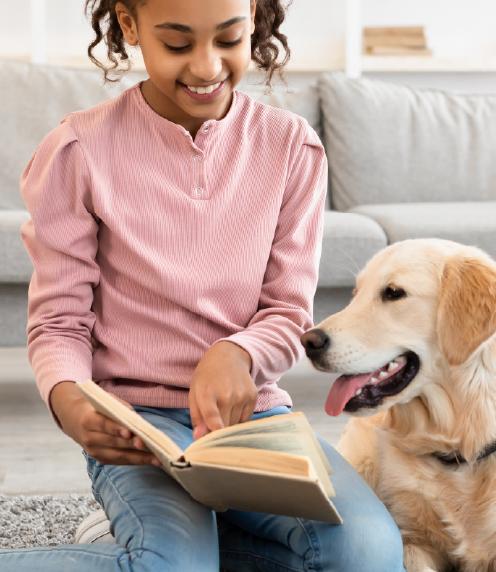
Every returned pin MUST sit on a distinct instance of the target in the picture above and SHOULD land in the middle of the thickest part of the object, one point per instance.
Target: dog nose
(315, 342)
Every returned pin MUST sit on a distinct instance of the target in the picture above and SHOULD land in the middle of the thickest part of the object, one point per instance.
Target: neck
(168, 109)
(458, 414)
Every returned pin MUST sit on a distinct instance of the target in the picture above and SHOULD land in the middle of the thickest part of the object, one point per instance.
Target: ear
(253, 9)
(127, 24)
(467, 307)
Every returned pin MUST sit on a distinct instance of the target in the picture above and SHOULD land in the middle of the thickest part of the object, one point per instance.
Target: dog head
(420, 308)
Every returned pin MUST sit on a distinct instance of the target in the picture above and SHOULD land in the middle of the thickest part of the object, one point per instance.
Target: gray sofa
(403, 163)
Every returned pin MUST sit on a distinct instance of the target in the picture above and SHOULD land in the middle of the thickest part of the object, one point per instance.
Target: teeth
(392, 365)
(358, 392)
(374, 380)
(203, 90)
(383, 374)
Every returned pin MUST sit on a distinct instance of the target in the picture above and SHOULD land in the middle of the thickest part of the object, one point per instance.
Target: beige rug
(27, 521)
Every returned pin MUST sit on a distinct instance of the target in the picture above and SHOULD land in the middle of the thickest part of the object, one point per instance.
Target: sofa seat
(15, 264)
(468, 222)
(350, 239)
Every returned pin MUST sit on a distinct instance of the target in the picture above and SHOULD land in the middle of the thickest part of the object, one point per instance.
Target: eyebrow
(188, 30)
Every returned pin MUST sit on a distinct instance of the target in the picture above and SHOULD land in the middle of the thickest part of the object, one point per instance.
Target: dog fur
(446, 514)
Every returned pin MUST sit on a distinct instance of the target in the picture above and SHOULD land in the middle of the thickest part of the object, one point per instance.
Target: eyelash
(221, 44)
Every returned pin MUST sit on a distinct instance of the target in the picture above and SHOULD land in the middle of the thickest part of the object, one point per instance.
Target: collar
(163, 122)
(456, 458)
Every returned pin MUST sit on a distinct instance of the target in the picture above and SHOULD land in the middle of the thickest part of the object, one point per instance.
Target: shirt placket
(199, 189)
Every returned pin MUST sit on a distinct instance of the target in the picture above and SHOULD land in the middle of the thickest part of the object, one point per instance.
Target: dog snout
(316, 342)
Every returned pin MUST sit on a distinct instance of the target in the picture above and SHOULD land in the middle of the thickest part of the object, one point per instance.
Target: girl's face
(195, 52)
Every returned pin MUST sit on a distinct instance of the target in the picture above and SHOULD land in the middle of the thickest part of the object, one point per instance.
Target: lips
(352, 392)
(204, 97)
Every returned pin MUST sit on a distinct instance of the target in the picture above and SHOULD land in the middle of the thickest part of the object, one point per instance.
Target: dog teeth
(358, 392)
(383, 374)
(392, 365)
(374, 380)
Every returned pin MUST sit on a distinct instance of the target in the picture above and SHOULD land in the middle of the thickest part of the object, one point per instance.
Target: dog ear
(467, 307)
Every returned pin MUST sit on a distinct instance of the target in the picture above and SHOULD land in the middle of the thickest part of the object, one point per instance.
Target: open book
(273, 465)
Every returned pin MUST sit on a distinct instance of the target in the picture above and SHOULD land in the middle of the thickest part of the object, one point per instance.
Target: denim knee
(366, 545)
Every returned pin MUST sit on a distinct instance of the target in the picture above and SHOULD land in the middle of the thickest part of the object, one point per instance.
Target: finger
(194, 411)
(95, 421)
(97, 439)
(200, 430)
(247, 412)
(235, 415)
(110, 456)
(199, 427)
(211, 415)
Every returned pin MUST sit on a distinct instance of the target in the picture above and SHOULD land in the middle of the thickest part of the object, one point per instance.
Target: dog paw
(419, 559)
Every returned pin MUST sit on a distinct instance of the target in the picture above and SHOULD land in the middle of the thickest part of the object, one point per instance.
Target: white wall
(453, 27)
(316, 30)
(315, 27)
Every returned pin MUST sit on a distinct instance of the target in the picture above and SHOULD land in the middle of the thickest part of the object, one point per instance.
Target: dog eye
(390, 293)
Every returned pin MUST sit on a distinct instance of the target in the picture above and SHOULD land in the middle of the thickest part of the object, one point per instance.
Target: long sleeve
(61, 240)
(272, 338)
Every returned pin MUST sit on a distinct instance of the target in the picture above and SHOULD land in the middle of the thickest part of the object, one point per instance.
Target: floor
(37, 458)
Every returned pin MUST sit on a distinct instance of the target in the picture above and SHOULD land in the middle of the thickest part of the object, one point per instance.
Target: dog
(416, 353)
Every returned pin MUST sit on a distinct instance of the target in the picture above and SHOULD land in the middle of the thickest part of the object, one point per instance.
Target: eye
(177, 48)
(230, 44)
(392, 293)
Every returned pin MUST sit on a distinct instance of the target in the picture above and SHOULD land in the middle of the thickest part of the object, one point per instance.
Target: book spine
(391, 51)
(394, 31)
(400, 41)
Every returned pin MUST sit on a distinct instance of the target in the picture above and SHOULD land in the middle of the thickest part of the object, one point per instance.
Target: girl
(175, 235)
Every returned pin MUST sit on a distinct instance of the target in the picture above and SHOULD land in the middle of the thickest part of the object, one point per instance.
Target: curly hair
(265, 49)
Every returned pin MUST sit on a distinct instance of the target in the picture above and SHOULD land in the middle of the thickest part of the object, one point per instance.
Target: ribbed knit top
(148, 246)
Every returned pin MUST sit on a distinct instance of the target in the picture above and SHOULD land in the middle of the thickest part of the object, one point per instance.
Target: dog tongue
(343, 390)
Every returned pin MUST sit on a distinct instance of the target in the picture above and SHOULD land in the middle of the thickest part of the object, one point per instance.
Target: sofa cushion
(15, 264)
(349, 241)
(304, 101)
(388, 143)
(471, 223)
(35, 98)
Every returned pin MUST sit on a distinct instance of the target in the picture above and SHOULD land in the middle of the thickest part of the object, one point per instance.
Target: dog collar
(456, 458)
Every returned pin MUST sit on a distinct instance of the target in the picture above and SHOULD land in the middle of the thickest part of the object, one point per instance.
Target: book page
(290, 433)
(159, 444)
(243, 458)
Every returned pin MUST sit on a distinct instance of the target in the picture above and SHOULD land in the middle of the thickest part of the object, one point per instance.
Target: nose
(206, 64)
(316, 342)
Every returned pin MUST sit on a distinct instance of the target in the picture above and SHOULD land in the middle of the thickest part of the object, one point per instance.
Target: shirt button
(206, 128)
(198, 192)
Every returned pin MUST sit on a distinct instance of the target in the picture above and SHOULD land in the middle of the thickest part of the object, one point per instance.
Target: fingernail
(125, 434)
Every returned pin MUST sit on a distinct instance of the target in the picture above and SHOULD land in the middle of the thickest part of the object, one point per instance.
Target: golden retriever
(416, 350)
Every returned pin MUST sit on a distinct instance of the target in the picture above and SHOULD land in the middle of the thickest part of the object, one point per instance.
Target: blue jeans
(159, 527)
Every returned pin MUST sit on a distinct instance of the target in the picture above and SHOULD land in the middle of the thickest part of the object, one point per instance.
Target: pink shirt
(149, 246)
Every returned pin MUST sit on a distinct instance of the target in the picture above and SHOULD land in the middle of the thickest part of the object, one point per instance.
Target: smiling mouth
(352, 392)
(204, 93)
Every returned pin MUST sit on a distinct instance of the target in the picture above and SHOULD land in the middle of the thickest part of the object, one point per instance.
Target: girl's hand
(102, 438)
(222, 392)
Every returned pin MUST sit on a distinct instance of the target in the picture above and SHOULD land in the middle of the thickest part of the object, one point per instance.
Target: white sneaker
(95, 529)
